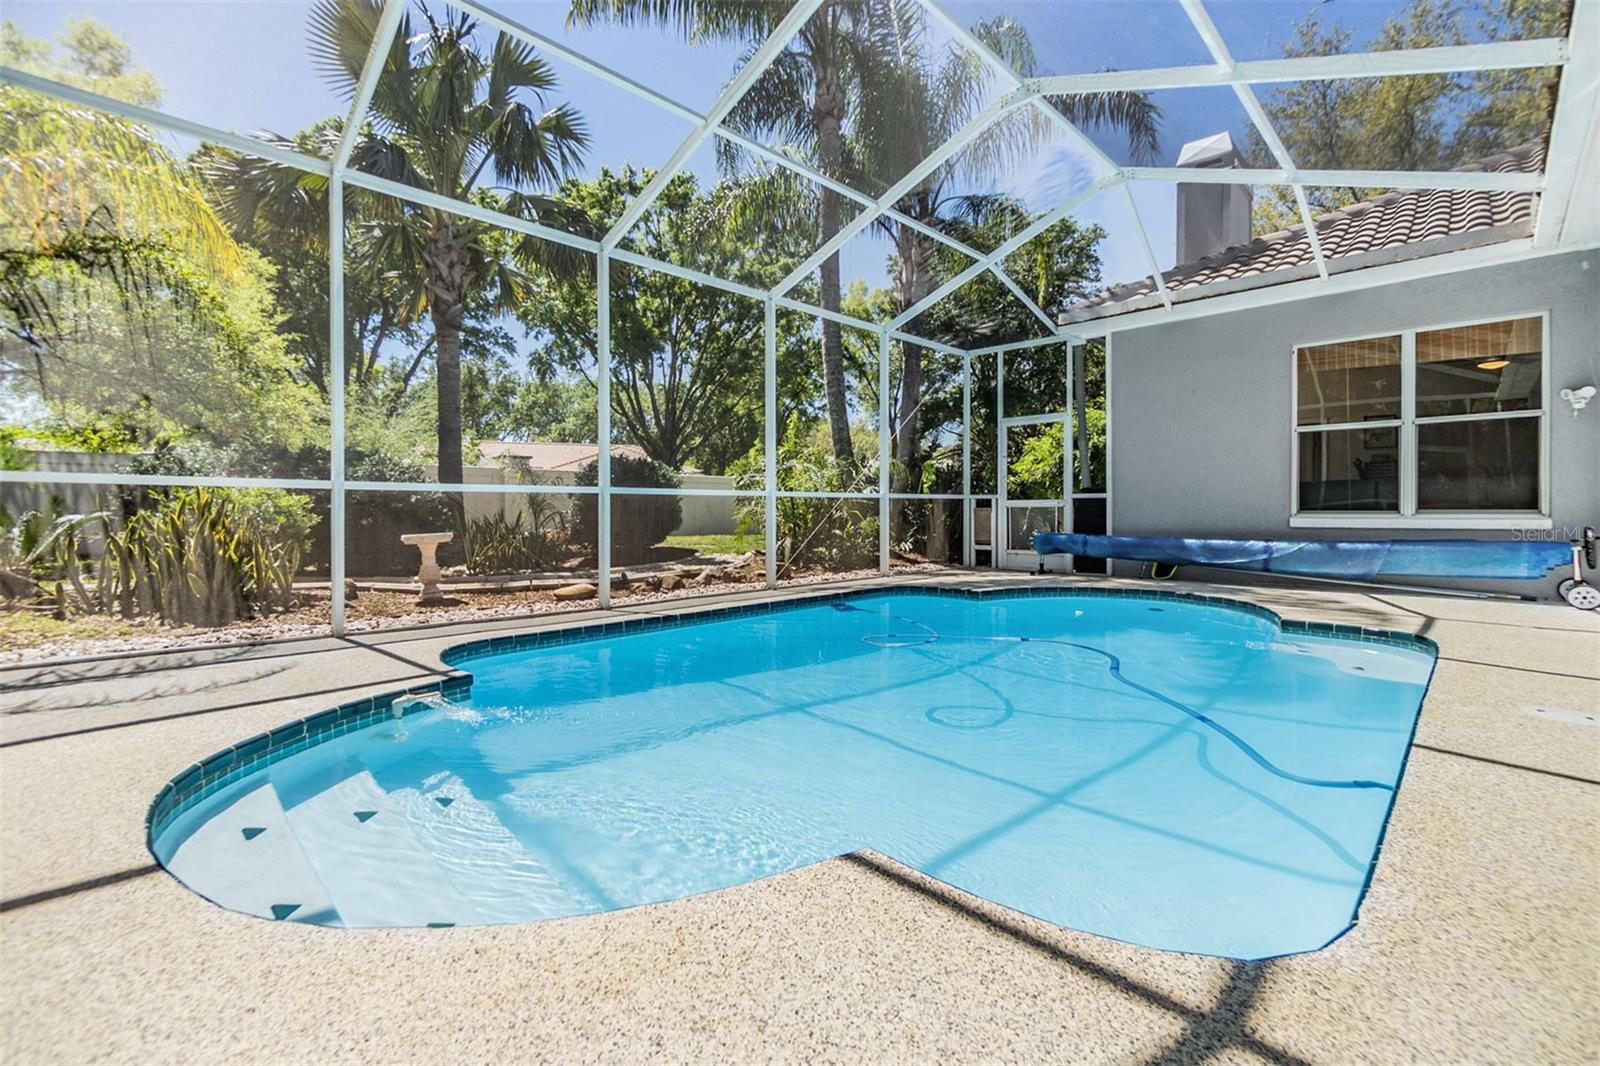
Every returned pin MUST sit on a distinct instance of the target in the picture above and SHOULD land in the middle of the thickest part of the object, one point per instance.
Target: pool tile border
(223, 768)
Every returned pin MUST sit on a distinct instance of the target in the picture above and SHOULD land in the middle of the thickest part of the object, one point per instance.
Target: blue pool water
(1168, 772)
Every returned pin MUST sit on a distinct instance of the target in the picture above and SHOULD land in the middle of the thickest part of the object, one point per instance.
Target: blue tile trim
(219, 770)
(478, 649)
(223, 768)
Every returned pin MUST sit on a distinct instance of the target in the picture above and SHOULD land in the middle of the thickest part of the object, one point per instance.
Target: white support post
(730, 96)
(997, 532)
(1106, 459)
(199, 131)
(367, 83)
(974, 128)
(1066, 452)
(372, 68)
(1149, 252)
(603, 432)
(968, 530)
(884, 431)
(996, 257)
(769, 377)
(1485, 180)
(1201, 19)
(1494, 55)
(1574, 128)
(336, 501)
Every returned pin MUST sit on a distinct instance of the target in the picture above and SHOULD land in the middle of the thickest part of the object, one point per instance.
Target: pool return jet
(1352, 561)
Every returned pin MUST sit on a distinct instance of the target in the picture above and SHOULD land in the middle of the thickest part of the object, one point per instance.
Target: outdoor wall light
(1578, 398)
(1494, 364)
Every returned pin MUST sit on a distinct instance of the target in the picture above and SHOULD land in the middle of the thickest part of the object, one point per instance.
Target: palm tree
(447, 116)
(931, 98)
(807, 98)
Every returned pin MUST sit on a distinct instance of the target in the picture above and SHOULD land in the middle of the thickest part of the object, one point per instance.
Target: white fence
(702, 515)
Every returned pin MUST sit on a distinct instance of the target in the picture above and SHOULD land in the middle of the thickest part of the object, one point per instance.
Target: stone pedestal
(428, 575)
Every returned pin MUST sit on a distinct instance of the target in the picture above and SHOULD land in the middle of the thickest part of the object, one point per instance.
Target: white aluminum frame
(1573, 138)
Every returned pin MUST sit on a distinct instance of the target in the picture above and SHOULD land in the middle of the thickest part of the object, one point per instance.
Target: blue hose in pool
(1114, 666)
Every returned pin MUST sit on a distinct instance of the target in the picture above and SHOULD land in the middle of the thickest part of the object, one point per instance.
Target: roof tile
(1403, 218)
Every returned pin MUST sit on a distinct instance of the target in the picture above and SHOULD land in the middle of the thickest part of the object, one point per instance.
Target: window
(1430, 427)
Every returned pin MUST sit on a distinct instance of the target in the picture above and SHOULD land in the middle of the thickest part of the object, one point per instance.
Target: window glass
(1485, 465)
(1475, 369)
(1350, 470)
(1351, 381)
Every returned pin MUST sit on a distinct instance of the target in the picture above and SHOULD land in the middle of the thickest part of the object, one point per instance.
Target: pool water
(1173, 773)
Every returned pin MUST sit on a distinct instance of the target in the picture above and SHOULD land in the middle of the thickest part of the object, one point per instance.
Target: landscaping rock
(670, 582)
(581, 591)
(708, 576)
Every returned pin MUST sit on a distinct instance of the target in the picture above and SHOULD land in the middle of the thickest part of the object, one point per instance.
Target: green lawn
(717, 543)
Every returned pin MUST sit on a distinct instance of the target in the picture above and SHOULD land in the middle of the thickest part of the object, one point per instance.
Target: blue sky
(243, 64)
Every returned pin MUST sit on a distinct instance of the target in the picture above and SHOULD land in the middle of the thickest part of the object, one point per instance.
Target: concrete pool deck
(1479, 940)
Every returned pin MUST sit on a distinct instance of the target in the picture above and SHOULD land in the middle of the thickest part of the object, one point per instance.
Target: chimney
(1211, 217)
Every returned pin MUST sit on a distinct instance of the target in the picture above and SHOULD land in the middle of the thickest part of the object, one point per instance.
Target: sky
(244, 65)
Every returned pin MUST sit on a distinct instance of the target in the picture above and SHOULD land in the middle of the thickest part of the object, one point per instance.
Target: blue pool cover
(1354, 559)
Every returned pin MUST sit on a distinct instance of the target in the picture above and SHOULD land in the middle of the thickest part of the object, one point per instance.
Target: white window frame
(1408, 516)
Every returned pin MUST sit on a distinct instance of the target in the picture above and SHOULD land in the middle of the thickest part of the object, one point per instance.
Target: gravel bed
(372, 611)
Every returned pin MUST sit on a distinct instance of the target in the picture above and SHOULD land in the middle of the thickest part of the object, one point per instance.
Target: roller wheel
(1584, 597)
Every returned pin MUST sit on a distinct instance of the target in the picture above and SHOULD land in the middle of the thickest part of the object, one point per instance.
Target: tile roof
(553, 455)
(1399, 225)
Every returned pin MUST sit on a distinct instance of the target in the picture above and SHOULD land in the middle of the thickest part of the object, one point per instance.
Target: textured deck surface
(1478, 942)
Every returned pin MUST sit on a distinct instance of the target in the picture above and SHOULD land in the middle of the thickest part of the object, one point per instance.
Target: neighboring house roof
(554, 455)
(1402, 225)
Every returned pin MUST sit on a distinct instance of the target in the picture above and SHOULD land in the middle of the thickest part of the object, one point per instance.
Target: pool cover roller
(1355, 560)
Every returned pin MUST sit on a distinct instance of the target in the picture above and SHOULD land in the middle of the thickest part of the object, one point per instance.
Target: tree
(931, 97)
(687, 360)
(123, 297)
(447, 114)
(92, 57)
(808, 98)
(1412, 122)
(1061, 265)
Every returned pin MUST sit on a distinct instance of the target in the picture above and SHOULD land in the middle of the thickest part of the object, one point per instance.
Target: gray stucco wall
(1201, 419)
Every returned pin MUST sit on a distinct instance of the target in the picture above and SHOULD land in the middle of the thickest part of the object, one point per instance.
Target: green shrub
(638, 523)
(41, 555)
(375, 520)
(529, 540)
(829, 534)
(205, 557)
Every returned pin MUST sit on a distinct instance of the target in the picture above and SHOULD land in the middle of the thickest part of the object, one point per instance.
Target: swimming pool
(1183, 774)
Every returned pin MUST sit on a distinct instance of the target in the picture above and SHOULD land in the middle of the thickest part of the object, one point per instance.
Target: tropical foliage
(1416, 122)
(637, 522)
(172, 306)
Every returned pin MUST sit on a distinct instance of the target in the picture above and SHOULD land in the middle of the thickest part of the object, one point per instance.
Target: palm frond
(1134, 113)
(338, 35)
(529, 149)
(693, 19)
(64, 165)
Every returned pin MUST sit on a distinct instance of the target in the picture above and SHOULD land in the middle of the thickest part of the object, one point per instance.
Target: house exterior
(557, 463)
(1415, 392)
